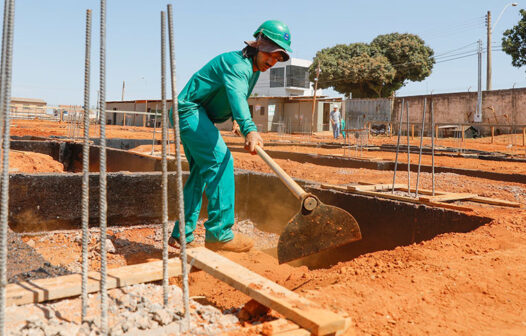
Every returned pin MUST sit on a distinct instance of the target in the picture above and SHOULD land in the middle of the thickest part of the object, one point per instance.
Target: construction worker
(218, 92)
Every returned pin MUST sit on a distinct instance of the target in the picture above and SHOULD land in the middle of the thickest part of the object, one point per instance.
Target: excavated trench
(46, 202)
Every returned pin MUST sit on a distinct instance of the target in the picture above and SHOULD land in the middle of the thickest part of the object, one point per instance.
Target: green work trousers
(211, 171)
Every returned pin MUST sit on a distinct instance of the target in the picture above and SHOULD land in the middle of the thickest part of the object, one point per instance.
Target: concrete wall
(498, 107)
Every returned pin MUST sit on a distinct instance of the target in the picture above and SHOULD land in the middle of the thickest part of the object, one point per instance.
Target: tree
(514, 42)
(376, 69)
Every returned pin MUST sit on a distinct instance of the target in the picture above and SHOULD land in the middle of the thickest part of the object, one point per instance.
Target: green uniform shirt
(222, 88)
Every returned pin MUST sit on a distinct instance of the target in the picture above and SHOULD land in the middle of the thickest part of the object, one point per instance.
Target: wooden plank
(385, 195)
(302, 311)
(400, 198)
(374, 187)
(447, 197)
(333, 186)
(448, 206)
(422, 191)
(70, 285)
(494, 201)
(370, 193)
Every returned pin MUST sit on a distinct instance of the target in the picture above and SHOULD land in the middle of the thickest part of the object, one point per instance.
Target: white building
(290, 78)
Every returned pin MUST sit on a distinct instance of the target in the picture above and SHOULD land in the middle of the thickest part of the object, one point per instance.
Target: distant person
(216, 93)
(335, 117)
(342, 125)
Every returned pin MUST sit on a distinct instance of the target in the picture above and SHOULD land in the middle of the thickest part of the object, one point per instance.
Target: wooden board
(447, 197)
(374, 187)
(370, 193)
(302, 311)
(494, 201)
(447, 206)
(399, 198)
(422, 191)
(385, 195)
(70, 285)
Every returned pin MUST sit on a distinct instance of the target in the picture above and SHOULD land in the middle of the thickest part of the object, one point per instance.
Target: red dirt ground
(30, 162)
(455, 284)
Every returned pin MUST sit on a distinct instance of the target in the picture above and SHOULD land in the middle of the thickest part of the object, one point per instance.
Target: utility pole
(314, 99)
(123, 87)
(478, 113)
(488, 47)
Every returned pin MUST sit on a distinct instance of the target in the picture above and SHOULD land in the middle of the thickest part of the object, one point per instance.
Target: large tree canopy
(376, 69)
(514, 42)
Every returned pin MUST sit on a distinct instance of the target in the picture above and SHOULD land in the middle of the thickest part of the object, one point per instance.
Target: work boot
(173, 242)
(240, 243)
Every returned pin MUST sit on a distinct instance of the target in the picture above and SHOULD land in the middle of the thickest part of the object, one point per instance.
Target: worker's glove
(252, 139)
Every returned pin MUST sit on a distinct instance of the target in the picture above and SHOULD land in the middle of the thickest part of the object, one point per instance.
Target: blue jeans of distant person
(336, 130)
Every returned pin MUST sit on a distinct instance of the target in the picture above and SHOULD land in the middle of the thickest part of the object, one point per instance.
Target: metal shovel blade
(323, 228)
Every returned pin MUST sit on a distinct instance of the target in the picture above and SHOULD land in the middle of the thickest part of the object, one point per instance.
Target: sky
(49, 40)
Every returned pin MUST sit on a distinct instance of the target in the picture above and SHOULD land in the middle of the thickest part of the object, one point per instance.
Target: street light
(488, 47)
(502, 12)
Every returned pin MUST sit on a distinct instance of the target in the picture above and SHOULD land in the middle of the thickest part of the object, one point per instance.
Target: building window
(277, 77)
(298, 76)
(262, 111)
(251, 109)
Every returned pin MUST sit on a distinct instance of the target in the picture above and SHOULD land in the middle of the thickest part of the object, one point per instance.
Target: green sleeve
(236, 84)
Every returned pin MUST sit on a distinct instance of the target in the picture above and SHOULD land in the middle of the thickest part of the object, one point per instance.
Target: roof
(28, 100)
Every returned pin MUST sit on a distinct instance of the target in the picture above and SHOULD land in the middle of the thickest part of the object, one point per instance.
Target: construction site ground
(455, 284)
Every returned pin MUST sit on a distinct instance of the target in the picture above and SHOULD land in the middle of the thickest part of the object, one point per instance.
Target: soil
(454, 284)
(31, 162)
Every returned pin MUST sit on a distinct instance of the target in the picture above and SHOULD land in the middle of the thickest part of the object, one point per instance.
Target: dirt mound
(31, 162)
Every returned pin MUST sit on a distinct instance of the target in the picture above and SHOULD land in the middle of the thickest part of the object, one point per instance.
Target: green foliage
(377, 69)
(514, 42)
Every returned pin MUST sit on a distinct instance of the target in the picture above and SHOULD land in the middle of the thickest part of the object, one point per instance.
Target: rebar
(421, 141)
(398, 145)
(7, 55)
(2, 65)
(85, 170)
(175, 116)
(164, 164)
(103, 206)
(432, 148)
(408, 152)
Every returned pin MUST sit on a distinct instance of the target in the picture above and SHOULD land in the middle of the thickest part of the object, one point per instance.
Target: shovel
(316, 227)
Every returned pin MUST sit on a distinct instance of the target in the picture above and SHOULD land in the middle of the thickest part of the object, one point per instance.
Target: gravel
(133, 310)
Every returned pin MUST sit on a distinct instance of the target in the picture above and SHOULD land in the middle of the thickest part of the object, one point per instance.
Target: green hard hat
(277, 32)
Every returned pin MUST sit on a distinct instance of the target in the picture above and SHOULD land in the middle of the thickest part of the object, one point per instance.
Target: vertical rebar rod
(432, 149)
(398, 145)
(103, 206)
(164, 164)
(421, 142)
(85, 170)
(154, 126)
(175, 114)
(2, 65)
(408, 151)
(7, 55)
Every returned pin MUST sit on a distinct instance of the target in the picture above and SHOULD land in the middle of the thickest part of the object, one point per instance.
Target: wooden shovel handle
(285, 178)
